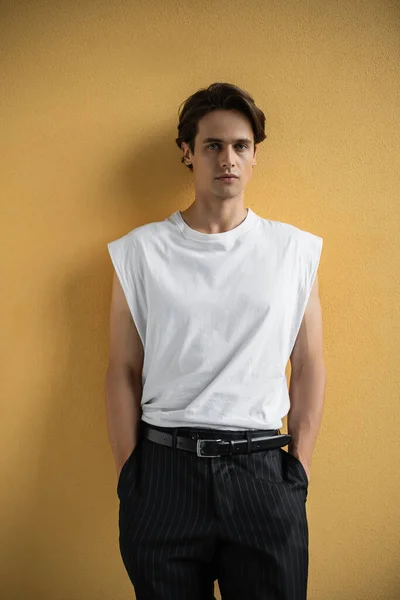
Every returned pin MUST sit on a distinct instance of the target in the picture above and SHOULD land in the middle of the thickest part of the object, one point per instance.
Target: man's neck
(207, 223)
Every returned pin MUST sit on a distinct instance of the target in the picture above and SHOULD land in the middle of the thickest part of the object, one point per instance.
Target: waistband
(214, 443)
(205, 432)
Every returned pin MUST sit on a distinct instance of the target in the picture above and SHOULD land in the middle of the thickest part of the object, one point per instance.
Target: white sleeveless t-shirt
(218, 315)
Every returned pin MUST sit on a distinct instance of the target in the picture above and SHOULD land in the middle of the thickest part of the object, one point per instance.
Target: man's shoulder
(293, 231)
(141, 234)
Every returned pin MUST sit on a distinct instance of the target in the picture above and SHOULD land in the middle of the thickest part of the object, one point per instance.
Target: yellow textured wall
(89, 98)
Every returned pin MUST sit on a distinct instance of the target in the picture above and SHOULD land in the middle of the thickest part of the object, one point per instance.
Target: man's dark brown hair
(216, 97)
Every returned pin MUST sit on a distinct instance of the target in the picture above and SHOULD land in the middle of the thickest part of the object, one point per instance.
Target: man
(207, 308)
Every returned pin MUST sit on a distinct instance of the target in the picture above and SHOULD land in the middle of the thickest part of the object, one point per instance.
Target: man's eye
(244, 145)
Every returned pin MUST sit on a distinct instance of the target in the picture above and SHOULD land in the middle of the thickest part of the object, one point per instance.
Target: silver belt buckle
(207, 455)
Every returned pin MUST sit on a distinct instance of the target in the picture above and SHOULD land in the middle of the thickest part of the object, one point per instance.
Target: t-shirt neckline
(224, 236)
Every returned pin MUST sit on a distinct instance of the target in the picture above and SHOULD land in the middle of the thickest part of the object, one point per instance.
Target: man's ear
(186, 153)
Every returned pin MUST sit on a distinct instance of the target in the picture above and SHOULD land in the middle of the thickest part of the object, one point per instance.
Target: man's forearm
(306, 393)
(123, 413)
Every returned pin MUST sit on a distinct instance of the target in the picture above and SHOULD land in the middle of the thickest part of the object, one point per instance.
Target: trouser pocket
(294, 467)
(126, 472)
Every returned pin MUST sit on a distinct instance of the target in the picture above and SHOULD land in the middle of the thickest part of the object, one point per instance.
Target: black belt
(221, 445)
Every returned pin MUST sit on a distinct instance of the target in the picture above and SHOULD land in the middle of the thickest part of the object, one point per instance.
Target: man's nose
(227, 157)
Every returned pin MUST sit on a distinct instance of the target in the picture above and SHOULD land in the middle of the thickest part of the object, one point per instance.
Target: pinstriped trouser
(185, 521)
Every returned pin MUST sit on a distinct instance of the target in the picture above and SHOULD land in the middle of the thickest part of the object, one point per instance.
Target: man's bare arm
(123, 382)
(307, 383)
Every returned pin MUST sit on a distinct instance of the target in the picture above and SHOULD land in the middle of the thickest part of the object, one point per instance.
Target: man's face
(233, 153)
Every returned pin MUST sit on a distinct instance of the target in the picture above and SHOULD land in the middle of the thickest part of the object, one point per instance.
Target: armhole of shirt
(311, 252)
(117, 250)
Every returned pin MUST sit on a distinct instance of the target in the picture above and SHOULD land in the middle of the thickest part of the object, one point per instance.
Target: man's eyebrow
(212, 139)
